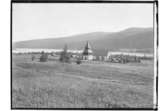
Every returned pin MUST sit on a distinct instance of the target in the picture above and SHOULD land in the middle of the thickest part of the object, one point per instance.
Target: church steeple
(87, 45)
(65, 48)
(87, 49)
(87, 53)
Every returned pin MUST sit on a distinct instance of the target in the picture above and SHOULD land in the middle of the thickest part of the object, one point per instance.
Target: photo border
(156, 35)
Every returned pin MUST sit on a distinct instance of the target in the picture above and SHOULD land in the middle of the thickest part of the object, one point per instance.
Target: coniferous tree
(65, 56)
(44, 57)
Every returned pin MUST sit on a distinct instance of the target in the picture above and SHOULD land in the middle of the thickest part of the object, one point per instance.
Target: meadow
(53, 84)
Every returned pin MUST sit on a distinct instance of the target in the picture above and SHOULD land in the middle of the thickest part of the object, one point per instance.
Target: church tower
(87, 53)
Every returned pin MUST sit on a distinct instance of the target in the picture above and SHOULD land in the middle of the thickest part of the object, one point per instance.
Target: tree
(44, 57)
(65, 56)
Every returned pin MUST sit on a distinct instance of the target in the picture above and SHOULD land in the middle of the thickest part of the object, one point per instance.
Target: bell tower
(87, 53)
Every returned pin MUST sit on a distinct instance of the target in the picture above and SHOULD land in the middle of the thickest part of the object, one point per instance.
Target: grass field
(90, 85)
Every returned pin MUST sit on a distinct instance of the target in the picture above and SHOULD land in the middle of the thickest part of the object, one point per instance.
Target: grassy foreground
(89, 85)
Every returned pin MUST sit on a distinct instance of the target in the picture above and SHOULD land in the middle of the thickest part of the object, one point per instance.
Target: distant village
(87, 54)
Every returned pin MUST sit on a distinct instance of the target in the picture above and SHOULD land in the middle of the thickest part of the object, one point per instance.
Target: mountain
(132, 38)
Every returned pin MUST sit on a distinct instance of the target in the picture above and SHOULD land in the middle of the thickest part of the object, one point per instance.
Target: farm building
(125, 57)
(130, 54)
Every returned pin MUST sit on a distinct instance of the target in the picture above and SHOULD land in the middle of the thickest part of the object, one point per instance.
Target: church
(87, 52)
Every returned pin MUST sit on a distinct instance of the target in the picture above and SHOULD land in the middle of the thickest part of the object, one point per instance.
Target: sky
(55, 20)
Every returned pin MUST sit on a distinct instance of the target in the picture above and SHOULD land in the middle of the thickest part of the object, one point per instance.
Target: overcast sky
(52, 20)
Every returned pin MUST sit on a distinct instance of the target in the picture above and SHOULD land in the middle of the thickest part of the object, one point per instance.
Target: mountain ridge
(131, 38)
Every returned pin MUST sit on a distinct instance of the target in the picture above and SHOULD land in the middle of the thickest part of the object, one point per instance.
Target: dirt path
(103, 81)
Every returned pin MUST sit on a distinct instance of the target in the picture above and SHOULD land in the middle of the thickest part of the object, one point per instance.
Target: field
(89, 85)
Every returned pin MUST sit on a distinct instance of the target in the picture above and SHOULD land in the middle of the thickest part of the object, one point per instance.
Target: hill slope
(132, 38)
